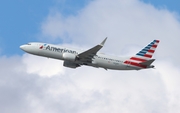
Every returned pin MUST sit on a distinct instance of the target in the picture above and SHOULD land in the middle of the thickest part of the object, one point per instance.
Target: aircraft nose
(22, 47)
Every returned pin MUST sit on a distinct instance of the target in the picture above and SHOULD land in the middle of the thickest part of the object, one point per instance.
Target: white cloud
(35, 84)
(124, 22)
(42, 66)
(87, 89)
(170, 76)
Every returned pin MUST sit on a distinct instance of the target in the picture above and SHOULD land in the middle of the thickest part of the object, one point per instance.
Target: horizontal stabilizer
(147, 63)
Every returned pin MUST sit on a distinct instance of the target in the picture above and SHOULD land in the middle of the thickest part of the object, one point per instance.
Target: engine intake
(69, 57)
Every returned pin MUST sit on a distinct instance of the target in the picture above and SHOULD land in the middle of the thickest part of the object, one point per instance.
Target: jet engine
(70, 64)
(69, 57)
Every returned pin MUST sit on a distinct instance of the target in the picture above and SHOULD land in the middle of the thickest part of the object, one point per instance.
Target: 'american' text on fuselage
(55, 49)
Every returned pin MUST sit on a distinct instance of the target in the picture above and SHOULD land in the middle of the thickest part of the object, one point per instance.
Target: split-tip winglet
(102, 43)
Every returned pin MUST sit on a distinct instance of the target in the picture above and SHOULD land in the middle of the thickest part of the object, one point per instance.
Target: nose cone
(22, 47)
(29, 49)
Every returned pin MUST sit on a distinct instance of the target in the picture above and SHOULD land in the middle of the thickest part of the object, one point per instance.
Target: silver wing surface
(87, 56)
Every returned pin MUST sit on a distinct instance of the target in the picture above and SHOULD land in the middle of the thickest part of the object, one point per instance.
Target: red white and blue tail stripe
(143, 58)
(149, 50)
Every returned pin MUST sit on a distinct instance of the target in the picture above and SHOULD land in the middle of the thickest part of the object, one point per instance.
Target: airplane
(74, 58)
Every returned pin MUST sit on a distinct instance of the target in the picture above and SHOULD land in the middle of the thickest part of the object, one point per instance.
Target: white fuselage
(56, 52)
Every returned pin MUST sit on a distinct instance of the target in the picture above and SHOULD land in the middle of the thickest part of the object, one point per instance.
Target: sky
(35, 84)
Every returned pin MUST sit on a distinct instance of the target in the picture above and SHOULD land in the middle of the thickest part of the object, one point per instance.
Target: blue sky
(21, 20)
(172, 5)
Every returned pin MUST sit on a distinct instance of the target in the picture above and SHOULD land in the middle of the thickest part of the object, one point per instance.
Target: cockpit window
(29, 44)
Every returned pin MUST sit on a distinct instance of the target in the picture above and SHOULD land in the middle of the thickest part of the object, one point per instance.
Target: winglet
(102, 43)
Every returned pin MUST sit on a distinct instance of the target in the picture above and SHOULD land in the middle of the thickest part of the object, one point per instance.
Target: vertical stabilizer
(143, 58)
(149, 50)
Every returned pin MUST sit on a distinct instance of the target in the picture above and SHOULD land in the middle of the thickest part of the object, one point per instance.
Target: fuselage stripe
(135, 64)
(138, 59)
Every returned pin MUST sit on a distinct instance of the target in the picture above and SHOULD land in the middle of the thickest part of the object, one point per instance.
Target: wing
(88, 55)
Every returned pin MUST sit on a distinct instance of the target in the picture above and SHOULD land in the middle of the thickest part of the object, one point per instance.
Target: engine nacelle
(70, 64)
(69, 57)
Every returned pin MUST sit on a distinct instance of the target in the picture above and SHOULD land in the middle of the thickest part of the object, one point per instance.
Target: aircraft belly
(110, 65)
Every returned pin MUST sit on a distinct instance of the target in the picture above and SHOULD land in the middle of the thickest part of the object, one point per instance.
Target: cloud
(130, 25)
(36, 84)
(43, 67)
(170, 77)
(124, 22)
(87, 89)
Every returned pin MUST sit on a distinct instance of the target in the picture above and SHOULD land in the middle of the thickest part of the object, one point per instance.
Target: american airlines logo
(41, 47)
(55, 49)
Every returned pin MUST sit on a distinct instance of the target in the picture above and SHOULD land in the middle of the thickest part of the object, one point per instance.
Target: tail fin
(143, 58)
(149, 50)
